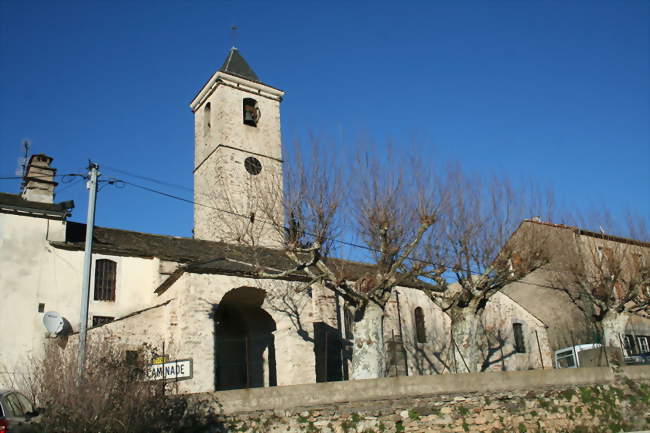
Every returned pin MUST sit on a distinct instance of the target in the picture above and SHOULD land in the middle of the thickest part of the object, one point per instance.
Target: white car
(568, 357)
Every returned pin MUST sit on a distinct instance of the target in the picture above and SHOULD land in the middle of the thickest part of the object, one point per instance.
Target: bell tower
(237, 156)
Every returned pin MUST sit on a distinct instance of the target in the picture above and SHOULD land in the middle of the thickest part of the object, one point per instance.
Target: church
(197, 300)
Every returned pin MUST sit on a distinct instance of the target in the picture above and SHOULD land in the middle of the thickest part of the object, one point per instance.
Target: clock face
(253, 165)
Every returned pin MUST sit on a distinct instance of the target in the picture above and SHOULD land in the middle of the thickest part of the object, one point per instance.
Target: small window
(206, 119)
(420, 331)
(630, 345)
(102, 320)
(518, 330)
(643, 344)
(251, 112)
(348, 319)
(132, 357)
(105, 273)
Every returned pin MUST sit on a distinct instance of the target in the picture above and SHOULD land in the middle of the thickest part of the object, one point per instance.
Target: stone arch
(244, 341)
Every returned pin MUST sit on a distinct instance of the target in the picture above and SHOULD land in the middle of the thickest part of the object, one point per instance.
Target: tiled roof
(199, 256)
(236, 65)
(14, 203)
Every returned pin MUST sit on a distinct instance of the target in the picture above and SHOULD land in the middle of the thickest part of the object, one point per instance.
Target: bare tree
(447, 235)
(479, 257)
(608, 278)
(392, 212)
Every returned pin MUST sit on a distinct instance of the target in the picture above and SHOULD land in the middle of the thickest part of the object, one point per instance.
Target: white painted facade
(34, 272)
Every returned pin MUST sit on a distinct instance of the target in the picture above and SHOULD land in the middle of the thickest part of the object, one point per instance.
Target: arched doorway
(244, 343)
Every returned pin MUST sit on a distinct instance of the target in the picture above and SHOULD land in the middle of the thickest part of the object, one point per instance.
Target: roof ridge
(613, 238)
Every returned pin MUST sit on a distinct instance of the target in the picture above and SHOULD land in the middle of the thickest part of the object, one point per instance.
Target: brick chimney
(38, 183)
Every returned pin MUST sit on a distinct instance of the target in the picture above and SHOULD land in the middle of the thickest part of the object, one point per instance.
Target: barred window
(518, 330)
(420, 331)
(105, 271)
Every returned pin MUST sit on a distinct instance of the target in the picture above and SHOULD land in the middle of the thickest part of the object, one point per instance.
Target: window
(132, 357)
(643, 344)
(518, 330)
(251, 112)
(206, 119)
(105, 271)
(420, 331)
(102, 320)
(348, 319)
(630, 345)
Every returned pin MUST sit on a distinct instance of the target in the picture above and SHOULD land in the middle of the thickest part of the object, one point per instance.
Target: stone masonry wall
(619, 402)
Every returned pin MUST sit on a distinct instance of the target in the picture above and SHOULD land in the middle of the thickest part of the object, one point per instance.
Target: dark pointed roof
(236, 65)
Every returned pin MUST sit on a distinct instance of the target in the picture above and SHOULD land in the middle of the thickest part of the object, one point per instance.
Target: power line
(149, 179)
(39, 177)
(339, 241)
(351, 244)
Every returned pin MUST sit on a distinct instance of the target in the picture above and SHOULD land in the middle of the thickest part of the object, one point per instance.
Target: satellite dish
(53, 322)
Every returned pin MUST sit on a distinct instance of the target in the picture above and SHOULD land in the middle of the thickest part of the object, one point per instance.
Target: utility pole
(85, 280)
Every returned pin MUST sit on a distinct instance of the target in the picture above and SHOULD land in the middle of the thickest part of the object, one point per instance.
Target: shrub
(112, 395)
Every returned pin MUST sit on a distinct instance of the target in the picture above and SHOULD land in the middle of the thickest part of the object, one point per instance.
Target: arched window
(251, 112)
(105, 277)
(206, 119)
(518, 330)
(420, 331)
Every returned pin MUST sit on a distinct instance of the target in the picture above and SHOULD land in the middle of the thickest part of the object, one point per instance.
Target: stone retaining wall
(578, 400)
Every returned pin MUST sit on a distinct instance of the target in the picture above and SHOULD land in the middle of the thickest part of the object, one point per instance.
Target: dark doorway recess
(329, 350)
(244, 343)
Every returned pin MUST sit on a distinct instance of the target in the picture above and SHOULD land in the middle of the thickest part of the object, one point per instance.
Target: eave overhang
(223, 78)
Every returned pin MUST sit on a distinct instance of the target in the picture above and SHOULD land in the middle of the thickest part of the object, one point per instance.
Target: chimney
(38, 183)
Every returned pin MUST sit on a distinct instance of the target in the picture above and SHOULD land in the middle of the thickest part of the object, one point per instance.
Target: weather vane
(233, 35)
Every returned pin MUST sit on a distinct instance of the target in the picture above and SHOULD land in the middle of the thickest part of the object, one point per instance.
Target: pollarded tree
(608, 278)
(480, 255)
(421, 230)
(391, 208)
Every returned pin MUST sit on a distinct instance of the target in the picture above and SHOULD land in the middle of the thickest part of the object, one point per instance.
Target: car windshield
(565, 359)
(11, 406)
(24, 402)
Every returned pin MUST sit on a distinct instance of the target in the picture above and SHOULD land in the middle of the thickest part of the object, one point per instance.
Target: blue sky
(552, 92)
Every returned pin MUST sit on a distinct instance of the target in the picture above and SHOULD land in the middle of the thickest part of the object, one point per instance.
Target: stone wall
(572, 400)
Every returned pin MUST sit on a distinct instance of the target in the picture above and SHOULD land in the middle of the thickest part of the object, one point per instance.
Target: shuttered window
(105, 276)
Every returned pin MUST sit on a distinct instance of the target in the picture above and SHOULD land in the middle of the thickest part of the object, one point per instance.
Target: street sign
(173, 370)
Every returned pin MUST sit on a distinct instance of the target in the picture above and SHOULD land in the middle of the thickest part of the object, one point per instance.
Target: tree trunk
(368, 359)
(613, 324)
(465, 324)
